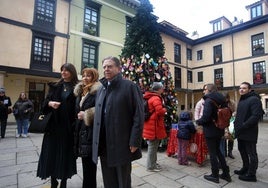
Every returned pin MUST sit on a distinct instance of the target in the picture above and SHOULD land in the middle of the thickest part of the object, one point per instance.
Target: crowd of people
(104, 119)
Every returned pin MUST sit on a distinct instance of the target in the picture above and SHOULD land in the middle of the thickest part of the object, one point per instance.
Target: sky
(195, 15)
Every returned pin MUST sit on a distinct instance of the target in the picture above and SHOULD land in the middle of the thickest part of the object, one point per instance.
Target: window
(259, 73)
(256, 11)
(257, 44)
(128, 23)
(189, 76)
(177, 77)
(217, 52)
(200, 77)
(45, 13)
(91, 22)
(199, 55)
(90, 54)
(189, 54)
(218, 78)
(217, 26)
(177, 53)
(42, 48)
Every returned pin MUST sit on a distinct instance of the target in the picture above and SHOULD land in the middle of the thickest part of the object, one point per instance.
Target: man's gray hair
(156, 86)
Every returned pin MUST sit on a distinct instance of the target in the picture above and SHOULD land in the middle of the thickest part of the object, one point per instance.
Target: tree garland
(146, 71)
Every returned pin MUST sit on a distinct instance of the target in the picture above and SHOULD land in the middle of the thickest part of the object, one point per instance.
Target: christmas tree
(143, 59)
(146, 71)
(143, 36)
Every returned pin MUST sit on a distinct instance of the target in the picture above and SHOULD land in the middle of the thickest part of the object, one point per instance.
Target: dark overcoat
(5, 102)
(123, 121)
(84, 128)
(57, 158)
(22, 109)
(249, 112)
(210, 114)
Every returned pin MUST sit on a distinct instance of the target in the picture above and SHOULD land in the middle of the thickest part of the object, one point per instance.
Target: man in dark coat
(118, 124)
(249, 112)
(213, 134)
(5, 102)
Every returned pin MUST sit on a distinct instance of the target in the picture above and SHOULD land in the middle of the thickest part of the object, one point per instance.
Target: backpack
(224, 115)
(147, 113)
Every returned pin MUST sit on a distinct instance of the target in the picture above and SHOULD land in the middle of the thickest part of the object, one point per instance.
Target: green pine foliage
(144, 38)
(143, 35)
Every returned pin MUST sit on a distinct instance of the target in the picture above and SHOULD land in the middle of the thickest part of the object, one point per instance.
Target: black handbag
(40, 123)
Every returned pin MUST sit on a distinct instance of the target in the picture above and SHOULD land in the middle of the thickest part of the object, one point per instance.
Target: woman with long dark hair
(57, 159)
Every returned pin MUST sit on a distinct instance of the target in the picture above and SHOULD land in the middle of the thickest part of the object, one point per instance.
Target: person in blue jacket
(185, 129)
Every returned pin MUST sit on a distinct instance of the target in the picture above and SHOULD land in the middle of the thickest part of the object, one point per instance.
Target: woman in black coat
(57, 158)
(85, 93)
(213, 134)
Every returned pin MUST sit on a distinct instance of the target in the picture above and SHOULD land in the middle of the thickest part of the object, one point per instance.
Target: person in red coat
(154, 128)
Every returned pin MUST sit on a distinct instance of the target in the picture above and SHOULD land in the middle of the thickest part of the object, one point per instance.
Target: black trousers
(89, 172)
(119, 176)
(216, 156)
(3, 127)
(248, 152)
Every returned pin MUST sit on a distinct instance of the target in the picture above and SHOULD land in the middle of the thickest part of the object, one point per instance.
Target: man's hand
(133, 149)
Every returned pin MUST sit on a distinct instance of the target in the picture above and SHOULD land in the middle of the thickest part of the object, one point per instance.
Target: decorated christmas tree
(146, 71)
(143, 59)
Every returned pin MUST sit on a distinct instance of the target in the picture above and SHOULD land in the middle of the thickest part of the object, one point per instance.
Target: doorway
(37, 94)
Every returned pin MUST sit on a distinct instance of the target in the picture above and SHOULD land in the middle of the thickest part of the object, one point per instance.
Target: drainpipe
(235, 92)
(68, 31)
(187, 87)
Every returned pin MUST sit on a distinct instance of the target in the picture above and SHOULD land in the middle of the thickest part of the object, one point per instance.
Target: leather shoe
(231, 155)
(226, 177)
(246, 177)
(242, 171)
(212, 178)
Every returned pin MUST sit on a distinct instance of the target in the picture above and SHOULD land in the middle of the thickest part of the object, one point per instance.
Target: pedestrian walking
(22, 110)
(5, 104)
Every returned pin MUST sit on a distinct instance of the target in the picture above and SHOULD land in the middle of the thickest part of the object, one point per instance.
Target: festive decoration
(146, 71)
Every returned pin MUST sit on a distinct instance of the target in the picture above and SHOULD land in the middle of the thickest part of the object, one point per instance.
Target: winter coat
(119, 113)
(210, 114)
(198, 111)
(249, 111)
(154, 127)
(185, 129)
(185, 126)
(57, 158)
(84, 128)
(22, 109)
(5, 102)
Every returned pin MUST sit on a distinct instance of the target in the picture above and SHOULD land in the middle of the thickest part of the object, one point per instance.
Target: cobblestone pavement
(19, 157)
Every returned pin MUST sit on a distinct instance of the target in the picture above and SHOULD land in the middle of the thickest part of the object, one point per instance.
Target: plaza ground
(19, 158)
